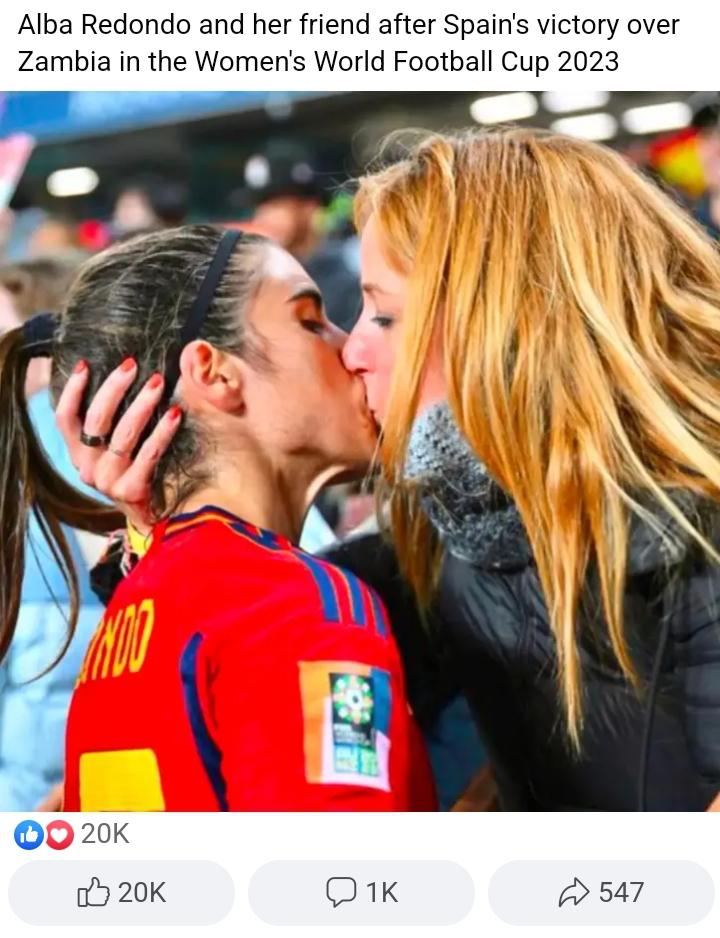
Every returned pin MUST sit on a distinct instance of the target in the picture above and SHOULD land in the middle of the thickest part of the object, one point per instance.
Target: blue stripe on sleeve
(356, 596)
(206, 747)
(383, 700)
(379, 612)
(331, 609)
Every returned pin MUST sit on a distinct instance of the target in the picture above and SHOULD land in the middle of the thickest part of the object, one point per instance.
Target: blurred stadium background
(219, 144)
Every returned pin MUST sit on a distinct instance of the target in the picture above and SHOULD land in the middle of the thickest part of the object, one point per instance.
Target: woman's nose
(355, 353)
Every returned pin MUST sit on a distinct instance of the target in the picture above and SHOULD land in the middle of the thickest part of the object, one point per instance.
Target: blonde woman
(540, 341)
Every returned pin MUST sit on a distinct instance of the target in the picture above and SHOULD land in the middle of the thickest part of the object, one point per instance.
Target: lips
(364, 400)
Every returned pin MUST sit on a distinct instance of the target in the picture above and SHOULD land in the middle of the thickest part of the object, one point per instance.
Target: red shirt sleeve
(310, 715)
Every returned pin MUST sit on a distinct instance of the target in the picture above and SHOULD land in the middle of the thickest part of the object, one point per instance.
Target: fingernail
(128, 364)
(80, 367)
(175, 412)
(155, 381)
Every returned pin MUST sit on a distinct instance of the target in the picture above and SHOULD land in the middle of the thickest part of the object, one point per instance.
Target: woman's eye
(384, 322)
(313, 325)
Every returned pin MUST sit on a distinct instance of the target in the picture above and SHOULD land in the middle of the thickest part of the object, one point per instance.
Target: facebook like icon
(29, 835)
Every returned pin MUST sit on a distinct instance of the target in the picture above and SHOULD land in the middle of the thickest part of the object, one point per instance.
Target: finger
(134, 486)
(118, 456)
(109, 470)
(104, 405)
(135, 419)
(100, 415)
(67, 412)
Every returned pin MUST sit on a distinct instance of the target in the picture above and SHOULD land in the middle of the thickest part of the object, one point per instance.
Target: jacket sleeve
(697, 642)
(319, 722)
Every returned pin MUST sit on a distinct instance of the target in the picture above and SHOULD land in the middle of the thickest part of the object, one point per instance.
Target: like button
(95, 895)
(29, 835)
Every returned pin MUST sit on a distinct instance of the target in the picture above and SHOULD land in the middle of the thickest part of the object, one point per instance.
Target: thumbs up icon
(29, 835)
(95, 895)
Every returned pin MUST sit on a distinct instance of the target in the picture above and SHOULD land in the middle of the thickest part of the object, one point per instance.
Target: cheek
(434, 386)
(386, 354)
(382, 377)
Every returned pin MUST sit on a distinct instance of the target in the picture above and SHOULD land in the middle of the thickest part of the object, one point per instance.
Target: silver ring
(94, 441)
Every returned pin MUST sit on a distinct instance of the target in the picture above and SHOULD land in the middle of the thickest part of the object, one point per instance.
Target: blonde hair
(579, 313)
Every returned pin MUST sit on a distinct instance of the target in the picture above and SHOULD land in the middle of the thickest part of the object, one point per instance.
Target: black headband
(39, 335)
(198, 311)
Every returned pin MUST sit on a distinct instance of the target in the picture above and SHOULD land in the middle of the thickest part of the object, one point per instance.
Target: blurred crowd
(40, 255)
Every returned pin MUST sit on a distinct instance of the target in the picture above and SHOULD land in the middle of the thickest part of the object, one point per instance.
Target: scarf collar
(479, 523)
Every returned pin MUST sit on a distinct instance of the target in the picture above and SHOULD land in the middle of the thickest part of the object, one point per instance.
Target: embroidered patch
(346, 715)
(353, 704)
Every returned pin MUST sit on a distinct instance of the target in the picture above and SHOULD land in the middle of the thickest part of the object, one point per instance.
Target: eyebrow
(308, 293)
(375, 288)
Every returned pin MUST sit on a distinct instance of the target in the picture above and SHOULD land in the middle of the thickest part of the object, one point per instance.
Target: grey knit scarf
(479, 523)
(473, 516)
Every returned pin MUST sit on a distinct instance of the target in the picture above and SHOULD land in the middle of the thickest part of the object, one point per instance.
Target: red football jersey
(233, 671)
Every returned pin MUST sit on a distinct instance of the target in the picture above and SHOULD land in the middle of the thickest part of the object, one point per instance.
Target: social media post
(358, 469)
(345, 693)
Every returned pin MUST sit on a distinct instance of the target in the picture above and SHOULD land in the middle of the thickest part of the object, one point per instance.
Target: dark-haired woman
(231, 670)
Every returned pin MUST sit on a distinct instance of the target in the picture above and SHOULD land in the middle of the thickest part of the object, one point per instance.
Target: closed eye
(384, 322)
(312, 325)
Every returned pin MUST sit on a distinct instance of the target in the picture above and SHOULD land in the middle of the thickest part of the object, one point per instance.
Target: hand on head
(111, 465)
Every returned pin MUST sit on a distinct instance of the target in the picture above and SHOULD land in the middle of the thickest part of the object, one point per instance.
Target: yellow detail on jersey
(106, 645)
(121, 651)
(125, 780)
(120, 643)
(82, 677)
(142, 630)
(139, 543)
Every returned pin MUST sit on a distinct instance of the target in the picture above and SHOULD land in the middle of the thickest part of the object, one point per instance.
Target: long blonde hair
(579, 310)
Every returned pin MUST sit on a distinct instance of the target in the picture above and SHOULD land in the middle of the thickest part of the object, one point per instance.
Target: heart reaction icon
(59, 835)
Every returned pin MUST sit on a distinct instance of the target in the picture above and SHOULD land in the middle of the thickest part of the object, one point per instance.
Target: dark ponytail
(28, 483)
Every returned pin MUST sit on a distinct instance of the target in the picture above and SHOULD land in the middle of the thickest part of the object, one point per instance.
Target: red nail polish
(175, 412)
(155, 381)
(128, 364)
(80, 367)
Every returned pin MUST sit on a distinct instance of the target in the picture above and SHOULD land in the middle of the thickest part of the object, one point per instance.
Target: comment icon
(341, 889)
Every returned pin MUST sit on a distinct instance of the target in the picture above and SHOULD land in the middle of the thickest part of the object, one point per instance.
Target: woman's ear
(211, 377)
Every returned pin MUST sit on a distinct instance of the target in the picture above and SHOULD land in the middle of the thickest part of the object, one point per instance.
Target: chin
(344, 471)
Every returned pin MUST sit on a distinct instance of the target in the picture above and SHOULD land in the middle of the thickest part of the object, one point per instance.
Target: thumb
(94, 883)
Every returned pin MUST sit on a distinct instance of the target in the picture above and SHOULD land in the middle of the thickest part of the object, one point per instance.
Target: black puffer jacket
(660, 751)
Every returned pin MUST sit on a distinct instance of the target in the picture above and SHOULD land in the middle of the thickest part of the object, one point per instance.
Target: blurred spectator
(37, 285)
(148, 203)
(53, 236)
(706, 120)
(7, 221)
(289, 209)
(33, 709)
(40, 284)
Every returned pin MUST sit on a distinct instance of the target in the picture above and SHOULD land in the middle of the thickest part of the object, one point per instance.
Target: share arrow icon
(577, 892)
